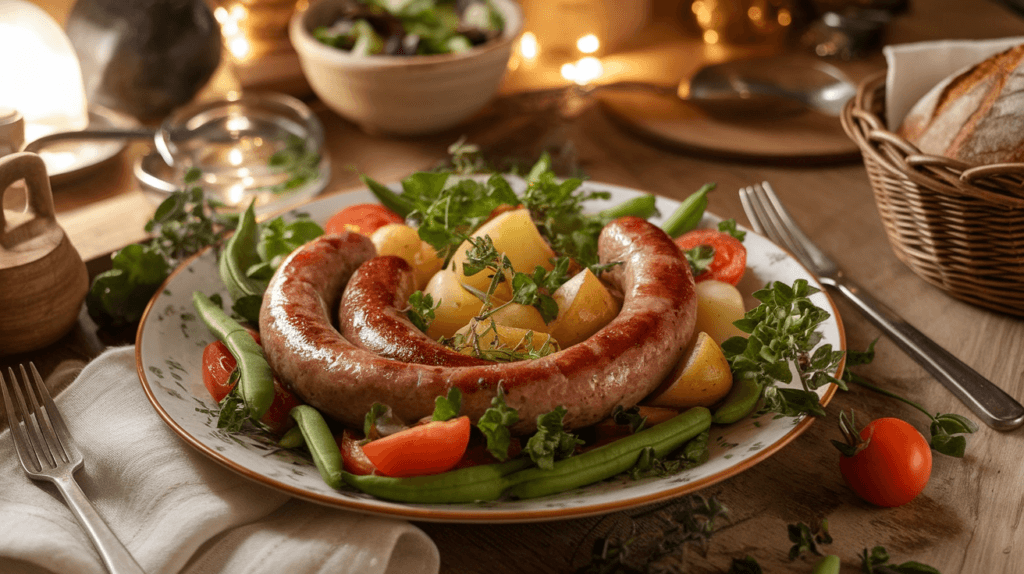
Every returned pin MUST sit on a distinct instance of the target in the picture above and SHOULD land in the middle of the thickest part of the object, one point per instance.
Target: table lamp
(40, 76)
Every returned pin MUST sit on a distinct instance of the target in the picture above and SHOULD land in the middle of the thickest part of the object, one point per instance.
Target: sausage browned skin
(372, 316)
(618, 365)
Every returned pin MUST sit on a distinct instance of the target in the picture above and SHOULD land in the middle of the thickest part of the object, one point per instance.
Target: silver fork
(47, 452)
(990, 403)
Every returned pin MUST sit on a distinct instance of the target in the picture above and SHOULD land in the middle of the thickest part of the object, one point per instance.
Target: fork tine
(779, 225)
(30, 454)
(44, 414)
(45, 436)
(788, 222)
(752, 211)
(17, 431)
(62, 437)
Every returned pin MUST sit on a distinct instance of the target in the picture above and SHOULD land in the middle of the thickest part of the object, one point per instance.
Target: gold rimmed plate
(169, 349)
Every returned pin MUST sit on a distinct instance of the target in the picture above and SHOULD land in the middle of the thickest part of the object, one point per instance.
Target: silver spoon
(771, 87)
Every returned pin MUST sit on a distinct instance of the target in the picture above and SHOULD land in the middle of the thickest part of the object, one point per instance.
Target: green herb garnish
(784, 340)
(551, 442)
(446, 408)
(421, 310)
(183, 224)
(495, 424)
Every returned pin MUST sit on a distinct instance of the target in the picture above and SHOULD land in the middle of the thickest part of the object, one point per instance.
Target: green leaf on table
(876, 561)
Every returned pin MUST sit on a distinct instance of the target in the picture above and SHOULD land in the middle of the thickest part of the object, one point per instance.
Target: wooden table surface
(967, 518)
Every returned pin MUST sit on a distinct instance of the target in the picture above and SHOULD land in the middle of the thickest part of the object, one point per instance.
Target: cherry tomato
(730, 255)
(893, 468)
(362, 218)
(424, 449)
(353, 459)
(218, 364)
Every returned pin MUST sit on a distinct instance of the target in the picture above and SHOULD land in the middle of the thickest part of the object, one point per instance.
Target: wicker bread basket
(959, 227)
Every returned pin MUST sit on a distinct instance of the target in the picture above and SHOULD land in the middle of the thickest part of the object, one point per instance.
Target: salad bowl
(402, 95)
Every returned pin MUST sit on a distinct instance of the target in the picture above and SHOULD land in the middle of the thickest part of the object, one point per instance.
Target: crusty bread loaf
(975, 115)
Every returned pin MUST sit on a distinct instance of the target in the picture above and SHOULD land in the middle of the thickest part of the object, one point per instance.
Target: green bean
(611, 459)
(388, 198)
(740, 402)
(470, 484)
(828, 565)
(642, 206)
(687, 216)
(292, 438)
(239, 255)
(255, 380)
(320, 442)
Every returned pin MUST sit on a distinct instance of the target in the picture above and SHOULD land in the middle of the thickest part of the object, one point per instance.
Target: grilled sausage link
(618, 365)
(372, 316)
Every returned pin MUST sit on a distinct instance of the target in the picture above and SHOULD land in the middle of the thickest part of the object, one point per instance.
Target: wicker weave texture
(959, 227)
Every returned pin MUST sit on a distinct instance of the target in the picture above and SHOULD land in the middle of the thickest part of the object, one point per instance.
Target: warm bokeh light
(231, 27)
(529, 49)
(588, 44)
(785, 18)
(711, 37)
(583, 71)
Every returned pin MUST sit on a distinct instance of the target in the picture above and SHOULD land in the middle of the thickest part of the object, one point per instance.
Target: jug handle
(30, 167)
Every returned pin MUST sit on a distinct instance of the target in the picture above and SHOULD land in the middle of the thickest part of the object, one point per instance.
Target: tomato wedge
(424, 449)
(218, 364)
(353, 459)
(362, 218)
(730, 255)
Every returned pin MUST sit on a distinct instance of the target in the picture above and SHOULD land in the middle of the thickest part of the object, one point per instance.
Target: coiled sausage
(618, 365)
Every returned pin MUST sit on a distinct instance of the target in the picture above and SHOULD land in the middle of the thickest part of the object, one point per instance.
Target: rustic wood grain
(966, 520)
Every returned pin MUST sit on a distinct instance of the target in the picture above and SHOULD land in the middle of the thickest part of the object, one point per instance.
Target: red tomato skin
(730, 254)
(894, 467)
(218, 364)
(217, 367)
(424, 449)
(353, 459)
(364, 218)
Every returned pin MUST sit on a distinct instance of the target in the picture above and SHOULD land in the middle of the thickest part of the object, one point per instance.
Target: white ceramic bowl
(402, 95)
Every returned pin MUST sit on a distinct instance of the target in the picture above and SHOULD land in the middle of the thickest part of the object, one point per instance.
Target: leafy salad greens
(411, 27)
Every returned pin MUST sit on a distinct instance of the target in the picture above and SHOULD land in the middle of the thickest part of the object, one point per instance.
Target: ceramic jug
(43, 279)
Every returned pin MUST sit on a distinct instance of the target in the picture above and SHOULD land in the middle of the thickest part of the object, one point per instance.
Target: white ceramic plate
(171, 339)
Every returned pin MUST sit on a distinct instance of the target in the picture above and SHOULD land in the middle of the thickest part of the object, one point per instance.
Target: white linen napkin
(914, 69)
(175, 510)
